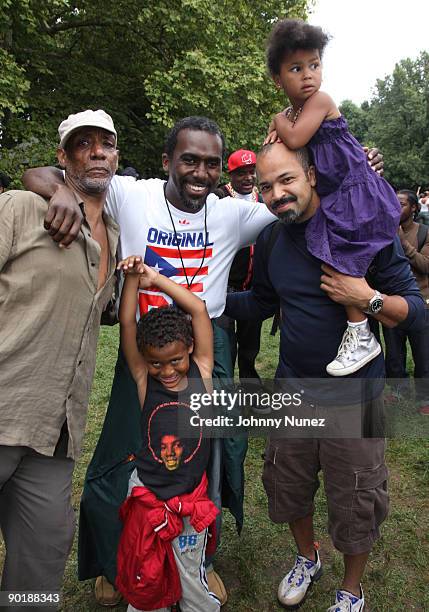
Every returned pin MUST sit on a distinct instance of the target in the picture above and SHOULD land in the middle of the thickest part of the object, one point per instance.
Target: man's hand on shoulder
(64, 216)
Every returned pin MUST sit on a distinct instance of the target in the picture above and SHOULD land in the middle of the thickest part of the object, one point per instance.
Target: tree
(398, 121)
(147, 64)
(357, 119)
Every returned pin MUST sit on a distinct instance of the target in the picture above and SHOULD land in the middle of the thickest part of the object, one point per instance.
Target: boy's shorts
(189, 553)
(355, 478)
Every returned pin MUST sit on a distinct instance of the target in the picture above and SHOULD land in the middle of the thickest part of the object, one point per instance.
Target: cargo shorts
(355, 480)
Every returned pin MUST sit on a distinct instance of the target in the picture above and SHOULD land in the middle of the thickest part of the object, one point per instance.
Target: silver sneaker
(295, 585)
(358, 347)
(346, 602)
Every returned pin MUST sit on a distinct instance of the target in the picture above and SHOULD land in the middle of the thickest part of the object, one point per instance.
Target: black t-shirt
(175, 453)
(241, 262)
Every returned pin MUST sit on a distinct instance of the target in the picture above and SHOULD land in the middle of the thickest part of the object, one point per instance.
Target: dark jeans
(245, 345)
(396, 357)
(245, 341)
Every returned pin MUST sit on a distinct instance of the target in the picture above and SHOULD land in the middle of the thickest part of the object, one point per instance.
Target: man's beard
(191, 204)
(288, 216)
(90, 185)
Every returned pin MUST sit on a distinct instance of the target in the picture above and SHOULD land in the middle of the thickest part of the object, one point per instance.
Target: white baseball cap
(87, 118)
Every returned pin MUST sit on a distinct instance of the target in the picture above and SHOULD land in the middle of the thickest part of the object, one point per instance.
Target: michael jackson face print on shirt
(171, 451)
(166, 432)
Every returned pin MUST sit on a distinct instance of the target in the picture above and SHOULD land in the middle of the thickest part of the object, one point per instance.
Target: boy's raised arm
(140, 275)
(64, 216)
(190, 303)
(127, 320)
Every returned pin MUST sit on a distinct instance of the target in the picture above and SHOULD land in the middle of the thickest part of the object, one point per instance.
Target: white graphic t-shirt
(185, 255)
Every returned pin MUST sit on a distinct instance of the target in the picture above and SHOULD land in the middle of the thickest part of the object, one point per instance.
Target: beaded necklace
(234, 194)
(296, 113)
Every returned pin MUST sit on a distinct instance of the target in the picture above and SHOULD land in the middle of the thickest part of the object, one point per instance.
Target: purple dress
(359, 211)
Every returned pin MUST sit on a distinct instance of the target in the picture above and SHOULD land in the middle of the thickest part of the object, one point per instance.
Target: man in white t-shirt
(423, 212)
(181, 229)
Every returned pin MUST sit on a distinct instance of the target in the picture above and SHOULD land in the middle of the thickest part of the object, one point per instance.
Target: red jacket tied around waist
(147, 573)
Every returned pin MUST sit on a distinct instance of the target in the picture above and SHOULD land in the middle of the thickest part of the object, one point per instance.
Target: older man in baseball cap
(52, 300)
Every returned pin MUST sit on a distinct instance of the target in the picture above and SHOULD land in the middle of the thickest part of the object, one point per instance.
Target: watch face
(376, 305)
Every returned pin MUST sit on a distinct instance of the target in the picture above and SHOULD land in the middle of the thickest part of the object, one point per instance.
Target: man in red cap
(242, 174)
(245, 336)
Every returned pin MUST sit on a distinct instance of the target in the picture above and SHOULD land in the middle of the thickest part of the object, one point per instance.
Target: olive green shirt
(50, 313)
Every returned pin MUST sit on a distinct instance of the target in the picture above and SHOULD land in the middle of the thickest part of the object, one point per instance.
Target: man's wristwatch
(375, 304)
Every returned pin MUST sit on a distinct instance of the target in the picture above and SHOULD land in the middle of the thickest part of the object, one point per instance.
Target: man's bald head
(302, 154)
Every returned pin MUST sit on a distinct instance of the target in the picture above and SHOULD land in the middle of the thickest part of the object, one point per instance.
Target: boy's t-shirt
(175, 453)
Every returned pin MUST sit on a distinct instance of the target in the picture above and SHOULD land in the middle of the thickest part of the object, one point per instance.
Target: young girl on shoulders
(359, 211)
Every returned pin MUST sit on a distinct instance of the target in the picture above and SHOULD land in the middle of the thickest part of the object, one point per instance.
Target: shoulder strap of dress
(422, 233)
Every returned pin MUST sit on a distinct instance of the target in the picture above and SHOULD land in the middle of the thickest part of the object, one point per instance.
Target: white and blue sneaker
(347, 602)
(295, 585)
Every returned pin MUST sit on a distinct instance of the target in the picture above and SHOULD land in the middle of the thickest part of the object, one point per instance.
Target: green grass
(252, 565)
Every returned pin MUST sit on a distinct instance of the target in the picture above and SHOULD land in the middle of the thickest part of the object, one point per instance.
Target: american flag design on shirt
(162, 254)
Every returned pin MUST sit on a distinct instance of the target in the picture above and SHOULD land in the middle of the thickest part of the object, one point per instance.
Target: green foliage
(399, 122)
(13, 85)
(356, 118)
(147, 64)
(396, 120)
